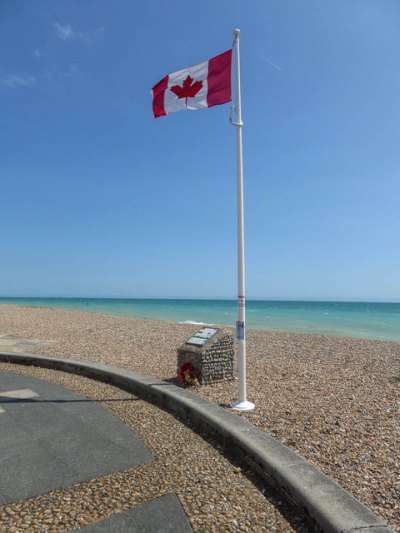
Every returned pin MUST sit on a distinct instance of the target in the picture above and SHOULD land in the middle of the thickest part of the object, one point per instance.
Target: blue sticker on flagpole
(240, 330)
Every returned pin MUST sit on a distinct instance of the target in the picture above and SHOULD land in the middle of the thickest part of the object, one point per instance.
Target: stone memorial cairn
(207, 357)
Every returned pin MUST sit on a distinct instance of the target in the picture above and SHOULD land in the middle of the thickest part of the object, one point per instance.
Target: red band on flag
(219, 79)
(158, 97)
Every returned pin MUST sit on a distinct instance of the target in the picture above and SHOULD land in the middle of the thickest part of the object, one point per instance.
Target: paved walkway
(52, 437)
(17, 344)
(162, 515)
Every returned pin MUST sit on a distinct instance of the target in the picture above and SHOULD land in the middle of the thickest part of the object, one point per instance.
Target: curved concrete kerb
(331, 507)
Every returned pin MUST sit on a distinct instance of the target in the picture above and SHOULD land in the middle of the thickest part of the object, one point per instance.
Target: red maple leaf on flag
(187, 90)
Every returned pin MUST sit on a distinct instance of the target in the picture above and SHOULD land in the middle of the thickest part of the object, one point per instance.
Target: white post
(241, 404)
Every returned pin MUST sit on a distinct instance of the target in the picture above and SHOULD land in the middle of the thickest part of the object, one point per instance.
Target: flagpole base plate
(243, 406)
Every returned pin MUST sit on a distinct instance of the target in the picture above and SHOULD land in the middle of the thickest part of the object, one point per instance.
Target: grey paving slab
(28, 469)
(16, 344)
(162, 515)
(57, 438)
(11, 432)
(80, 452)
(45, 419)
(9, 341)
(108, 428)
(4, 419)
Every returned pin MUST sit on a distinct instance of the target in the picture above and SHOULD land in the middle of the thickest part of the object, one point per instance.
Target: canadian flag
(203, 85)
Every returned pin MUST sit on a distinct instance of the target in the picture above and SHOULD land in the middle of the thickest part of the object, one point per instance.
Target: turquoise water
(342, 319)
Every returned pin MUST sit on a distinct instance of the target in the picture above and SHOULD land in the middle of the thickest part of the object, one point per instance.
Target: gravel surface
(333, 400)
(217, 495)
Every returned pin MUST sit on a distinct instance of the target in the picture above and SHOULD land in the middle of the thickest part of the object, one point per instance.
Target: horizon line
(230, 299)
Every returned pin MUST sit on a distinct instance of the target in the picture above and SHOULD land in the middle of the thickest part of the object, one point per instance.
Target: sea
(373, 320)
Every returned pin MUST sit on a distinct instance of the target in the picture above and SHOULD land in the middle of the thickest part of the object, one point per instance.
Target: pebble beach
(333, 400)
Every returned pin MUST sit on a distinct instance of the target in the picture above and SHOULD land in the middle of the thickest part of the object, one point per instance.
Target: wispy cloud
(73, 72)
(89, 35)
(12, 81)
(37, 53)
(268, 60)
(65, 32)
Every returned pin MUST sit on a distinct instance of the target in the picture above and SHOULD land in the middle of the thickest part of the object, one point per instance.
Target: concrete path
(17, 344)
(52, 437)
(162, 515)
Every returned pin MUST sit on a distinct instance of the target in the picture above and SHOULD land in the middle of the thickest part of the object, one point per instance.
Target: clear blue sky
(100, 199)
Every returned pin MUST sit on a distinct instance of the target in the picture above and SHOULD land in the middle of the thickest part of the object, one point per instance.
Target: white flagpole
(241, 404)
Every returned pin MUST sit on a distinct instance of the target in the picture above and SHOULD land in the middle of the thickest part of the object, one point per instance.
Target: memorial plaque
(202, 336)
(197, 341)
(206, 333)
